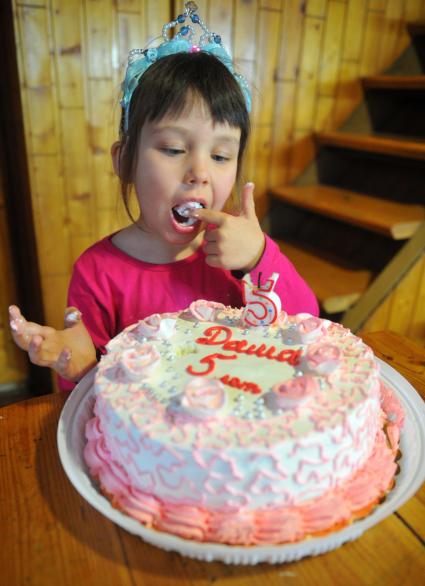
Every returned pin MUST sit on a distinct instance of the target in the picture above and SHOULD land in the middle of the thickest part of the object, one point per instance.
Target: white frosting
(241, 452)
(185, 209)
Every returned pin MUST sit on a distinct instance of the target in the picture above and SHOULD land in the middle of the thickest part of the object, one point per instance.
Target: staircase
(353, 222)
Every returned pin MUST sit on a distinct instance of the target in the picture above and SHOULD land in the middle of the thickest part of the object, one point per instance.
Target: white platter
(71, 441)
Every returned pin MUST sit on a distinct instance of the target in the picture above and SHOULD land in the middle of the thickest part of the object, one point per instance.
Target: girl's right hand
(70, 352)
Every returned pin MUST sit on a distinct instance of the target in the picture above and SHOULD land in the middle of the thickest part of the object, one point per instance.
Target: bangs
(182, 78)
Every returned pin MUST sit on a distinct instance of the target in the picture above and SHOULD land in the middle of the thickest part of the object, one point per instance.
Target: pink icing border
(278, 524)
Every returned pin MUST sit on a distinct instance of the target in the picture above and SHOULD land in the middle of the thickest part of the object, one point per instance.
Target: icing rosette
(310, 329)
(323, 358)
(140, 361)
(114, 345)
(293, 393)
(205, 310)
(155, 326)
(203, 398)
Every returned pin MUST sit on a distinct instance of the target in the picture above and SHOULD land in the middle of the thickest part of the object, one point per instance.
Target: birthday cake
(212, 427)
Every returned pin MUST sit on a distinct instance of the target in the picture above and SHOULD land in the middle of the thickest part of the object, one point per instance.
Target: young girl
(184, 130)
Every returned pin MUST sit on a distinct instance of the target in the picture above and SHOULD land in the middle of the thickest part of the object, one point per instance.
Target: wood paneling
(303, 59)
(403, 311)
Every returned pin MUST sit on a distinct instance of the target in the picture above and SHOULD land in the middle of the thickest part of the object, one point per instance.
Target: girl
(184, 130)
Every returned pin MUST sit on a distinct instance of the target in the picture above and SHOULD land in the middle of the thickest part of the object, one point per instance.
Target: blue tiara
(139, 60)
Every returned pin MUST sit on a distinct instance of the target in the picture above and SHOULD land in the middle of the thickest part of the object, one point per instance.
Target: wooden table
(50, 535)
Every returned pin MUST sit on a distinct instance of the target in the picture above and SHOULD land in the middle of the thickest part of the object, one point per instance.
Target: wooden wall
(71, 56)
(303, 58)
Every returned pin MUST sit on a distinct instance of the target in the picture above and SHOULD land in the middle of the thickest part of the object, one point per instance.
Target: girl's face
(182, 160)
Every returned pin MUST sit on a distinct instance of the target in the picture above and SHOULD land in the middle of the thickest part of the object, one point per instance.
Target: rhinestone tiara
(184, 41)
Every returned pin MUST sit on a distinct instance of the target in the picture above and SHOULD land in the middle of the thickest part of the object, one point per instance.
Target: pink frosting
(323, 358)
(155, 326)
(143, 507)
(140, 361)
(205, 310)
(391, 405)
(310, 329)
(203, 397)
(295, 392)
(280, 524)
(183, 520)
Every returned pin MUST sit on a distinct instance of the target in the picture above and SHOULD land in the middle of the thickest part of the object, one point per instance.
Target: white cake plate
(71, 440)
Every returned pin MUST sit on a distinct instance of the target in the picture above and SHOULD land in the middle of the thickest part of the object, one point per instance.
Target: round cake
(215, 430)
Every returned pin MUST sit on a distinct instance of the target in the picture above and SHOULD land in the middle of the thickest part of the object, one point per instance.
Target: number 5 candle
(262, 304)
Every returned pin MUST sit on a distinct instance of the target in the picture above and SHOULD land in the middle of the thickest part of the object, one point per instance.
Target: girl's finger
(62, 364)
(22, 328)
(16, 318)
(213, 260)
(72, 316)
(248, 202)
(209, 216)
(211, 248)
(24, 332)
(212, 235)
(34, 350)
(18, 328)
(14, 312)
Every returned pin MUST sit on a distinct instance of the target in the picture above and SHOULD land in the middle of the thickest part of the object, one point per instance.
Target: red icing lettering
(235, 382)
(222, 335)
(210, 362)
(235, 345)
(261, 351)
(251, 350)
(214, 332)
(270, 354)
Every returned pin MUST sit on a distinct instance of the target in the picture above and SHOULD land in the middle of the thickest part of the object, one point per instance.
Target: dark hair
(164, 89)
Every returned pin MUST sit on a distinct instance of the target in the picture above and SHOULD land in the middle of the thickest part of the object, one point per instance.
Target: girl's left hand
(234, 242)
(70, 352)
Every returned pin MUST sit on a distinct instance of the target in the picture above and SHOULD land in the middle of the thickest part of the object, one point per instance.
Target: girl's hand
(70, 352)
(234, 242)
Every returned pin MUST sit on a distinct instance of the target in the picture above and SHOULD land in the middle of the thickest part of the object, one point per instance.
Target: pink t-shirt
(113, 290)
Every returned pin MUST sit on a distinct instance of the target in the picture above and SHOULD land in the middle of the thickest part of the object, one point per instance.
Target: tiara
(139, 60)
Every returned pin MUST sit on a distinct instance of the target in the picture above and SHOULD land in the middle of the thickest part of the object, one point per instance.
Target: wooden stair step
(336, 286)
(373, 144)
(394, 82)
(393, 219)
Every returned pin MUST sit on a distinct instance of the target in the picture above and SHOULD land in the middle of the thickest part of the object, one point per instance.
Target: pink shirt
(113, 290)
